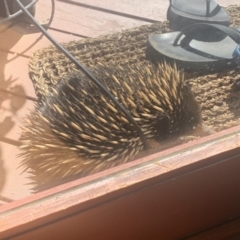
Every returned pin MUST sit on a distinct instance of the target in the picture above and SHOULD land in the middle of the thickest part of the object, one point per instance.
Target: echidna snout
(77, 130)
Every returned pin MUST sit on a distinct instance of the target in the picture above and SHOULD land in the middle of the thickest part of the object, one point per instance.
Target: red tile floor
(73, 20)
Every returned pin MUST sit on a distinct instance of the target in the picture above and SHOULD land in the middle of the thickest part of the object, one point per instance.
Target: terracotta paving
(73, 20)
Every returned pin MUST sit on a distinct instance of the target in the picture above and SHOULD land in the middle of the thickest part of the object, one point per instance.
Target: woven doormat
(219, 100)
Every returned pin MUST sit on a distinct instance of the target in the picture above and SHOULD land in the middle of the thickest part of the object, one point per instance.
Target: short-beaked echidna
(77, 130)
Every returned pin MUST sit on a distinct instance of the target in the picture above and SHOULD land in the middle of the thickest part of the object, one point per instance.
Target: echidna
(77, 130)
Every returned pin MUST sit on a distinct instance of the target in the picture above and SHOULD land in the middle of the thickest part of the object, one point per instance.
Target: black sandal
(182, 13)
(191, 54)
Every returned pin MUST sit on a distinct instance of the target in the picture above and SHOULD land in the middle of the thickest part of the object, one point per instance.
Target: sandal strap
(187, 31)
(208, 8)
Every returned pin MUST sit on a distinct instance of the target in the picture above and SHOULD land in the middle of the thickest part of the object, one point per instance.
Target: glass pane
(174, 68)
